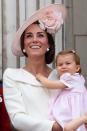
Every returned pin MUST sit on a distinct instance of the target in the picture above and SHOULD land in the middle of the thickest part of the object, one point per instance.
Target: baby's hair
(72, 52)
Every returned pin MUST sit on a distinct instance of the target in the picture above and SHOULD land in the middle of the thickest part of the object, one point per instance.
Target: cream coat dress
(26, 101)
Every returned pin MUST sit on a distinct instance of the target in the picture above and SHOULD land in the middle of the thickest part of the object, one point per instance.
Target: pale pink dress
(71, 102)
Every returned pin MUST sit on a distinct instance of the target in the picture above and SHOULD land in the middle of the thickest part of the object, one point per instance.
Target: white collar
(21, 75)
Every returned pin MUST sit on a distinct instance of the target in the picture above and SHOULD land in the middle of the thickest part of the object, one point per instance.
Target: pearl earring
(24, 50)
(48, 49)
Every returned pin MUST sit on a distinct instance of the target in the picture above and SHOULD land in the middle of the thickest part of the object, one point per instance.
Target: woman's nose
(35, 38)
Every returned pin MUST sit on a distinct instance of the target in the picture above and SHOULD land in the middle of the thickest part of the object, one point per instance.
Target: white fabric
(27, 102)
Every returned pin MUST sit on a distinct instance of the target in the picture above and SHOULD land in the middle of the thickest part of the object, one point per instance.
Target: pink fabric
(71, 102)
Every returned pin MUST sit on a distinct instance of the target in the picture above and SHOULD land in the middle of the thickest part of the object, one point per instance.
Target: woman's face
(35, 41)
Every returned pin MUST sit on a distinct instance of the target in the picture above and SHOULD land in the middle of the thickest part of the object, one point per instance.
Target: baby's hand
(38, 76)
(41, 78)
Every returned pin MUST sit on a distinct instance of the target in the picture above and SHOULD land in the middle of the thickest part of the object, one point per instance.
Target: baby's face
(67, 64)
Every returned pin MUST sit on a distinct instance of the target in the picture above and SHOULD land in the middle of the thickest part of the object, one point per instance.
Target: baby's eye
(60, 64)
(68, 63)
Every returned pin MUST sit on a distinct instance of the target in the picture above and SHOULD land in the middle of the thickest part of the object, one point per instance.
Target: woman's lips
(35, 46)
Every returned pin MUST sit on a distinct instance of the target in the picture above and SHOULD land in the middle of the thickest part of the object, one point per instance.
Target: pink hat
(50, 17)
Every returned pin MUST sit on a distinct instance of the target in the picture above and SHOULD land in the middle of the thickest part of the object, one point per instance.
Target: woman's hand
(56, 127)
(86, 126)
(86, 120)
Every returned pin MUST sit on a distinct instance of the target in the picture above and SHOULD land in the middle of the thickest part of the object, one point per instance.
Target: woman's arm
(75, 123)
(57, 127)
(49, 83)
(86, 126)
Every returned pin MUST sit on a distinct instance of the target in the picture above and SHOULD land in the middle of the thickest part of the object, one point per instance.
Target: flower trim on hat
(51, 21)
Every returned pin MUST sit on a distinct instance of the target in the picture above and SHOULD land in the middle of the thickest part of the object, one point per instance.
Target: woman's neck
(35, 67)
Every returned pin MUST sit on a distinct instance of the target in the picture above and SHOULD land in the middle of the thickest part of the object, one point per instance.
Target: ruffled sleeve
(72, 81)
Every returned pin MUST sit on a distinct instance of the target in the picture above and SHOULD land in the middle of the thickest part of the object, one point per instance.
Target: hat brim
(16, 49)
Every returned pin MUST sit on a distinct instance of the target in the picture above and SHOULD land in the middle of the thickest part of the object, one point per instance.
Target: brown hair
(73, 53)
(49, 56)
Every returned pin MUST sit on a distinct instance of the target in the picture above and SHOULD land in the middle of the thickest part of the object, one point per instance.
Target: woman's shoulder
(10, 71)
(20, 75)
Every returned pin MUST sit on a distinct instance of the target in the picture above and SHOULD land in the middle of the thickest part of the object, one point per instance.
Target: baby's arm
(75, 123)
(49, 83)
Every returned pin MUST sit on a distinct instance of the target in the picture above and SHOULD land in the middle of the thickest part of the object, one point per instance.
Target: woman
(25, 99)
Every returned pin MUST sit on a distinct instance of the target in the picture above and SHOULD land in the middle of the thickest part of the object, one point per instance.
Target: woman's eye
(41, 35)
(28, 36)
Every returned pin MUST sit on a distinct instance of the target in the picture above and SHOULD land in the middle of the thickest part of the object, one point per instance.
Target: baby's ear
(78, 68)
